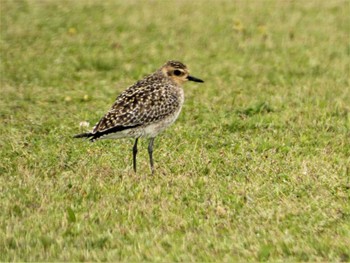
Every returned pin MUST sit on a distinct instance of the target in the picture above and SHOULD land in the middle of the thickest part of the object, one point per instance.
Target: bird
(145, 109)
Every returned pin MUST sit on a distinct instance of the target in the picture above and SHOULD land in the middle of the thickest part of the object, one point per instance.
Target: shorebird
(145, 109)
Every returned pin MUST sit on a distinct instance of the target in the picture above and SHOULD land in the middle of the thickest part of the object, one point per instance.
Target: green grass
(256, 167)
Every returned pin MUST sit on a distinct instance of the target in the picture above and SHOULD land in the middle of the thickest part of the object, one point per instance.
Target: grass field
(256, 167)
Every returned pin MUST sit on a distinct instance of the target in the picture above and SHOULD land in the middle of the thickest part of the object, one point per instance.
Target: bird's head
(178, 72)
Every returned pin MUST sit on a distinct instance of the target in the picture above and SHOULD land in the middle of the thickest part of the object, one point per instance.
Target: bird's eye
(177, 72)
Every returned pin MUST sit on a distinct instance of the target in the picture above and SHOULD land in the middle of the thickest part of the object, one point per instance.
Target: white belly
(153, 129)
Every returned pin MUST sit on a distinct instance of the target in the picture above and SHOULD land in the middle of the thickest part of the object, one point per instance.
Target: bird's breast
(152, 130)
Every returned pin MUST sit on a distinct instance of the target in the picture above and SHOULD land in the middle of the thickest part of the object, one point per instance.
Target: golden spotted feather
(148, 101)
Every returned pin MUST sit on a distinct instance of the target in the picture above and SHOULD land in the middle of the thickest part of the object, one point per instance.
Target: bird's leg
(150, 152)
(134, 152)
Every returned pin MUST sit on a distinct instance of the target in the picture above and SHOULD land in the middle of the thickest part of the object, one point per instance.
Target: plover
(145, 109)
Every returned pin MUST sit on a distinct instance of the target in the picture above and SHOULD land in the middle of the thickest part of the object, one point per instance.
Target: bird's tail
(83, 135)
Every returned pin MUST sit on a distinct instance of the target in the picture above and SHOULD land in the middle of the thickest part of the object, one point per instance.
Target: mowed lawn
(256, 168)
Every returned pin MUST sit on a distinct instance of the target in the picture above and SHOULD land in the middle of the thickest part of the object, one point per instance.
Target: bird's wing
(139, 105)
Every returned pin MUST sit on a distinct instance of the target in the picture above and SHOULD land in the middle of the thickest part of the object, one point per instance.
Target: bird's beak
(190, 78)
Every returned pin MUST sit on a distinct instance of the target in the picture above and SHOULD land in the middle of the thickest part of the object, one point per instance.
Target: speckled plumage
(145, 108)
(150, 100)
